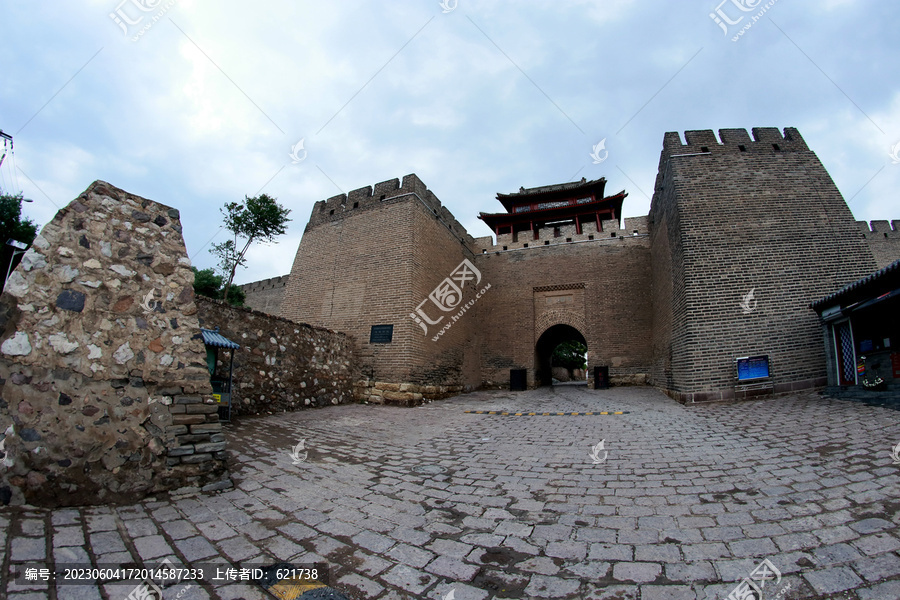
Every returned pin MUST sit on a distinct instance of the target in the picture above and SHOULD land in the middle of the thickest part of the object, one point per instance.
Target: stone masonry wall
(104, 392)
(265, 295)
(281, 365)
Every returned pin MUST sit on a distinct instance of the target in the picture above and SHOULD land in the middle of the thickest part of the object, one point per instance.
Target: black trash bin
(518, 380)
(601, 378)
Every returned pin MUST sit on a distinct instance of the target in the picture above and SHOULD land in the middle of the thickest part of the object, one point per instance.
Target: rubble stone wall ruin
(281, 365)
(104, 391)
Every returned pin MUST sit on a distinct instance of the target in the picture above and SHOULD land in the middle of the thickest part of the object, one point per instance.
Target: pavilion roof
(595, 187)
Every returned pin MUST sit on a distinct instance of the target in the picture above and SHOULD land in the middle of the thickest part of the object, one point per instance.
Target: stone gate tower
(743, 234)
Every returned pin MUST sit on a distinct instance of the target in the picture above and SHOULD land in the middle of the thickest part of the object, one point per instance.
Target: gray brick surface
(829, 581)
(639, 572)
(500, 523)
(27, 549)
(409, 579)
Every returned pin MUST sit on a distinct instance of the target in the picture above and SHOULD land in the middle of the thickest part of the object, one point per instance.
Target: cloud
(205, 107)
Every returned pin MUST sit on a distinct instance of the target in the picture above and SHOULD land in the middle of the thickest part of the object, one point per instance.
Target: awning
(216, 339)
(862, 290)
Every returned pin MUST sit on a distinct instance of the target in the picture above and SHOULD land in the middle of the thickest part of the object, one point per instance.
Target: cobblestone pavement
(416, 502)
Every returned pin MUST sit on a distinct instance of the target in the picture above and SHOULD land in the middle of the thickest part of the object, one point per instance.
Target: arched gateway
(546, 344)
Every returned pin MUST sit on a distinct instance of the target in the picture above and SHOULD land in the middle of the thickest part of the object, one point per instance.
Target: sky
(195, 103)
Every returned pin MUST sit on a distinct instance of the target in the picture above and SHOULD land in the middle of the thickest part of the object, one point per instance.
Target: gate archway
(546, 344)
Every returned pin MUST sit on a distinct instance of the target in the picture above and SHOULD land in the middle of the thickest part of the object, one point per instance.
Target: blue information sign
(752, 367)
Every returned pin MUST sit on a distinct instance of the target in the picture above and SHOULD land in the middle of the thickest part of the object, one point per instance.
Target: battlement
(883, 239)
(766, 140)
(610, 232)
(273, 283)
(365, 198)
(880, 229)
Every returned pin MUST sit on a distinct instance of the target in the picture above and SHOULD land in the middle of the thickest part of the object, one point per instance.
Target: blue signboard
(752, 367)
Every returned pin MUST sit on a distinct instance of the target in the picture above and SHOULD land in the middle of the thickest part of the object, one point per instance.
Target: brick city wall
(595, 283)
(265, 295)
(745, 214)
(369, 259)
(105, 392)
(883, 239)
(281, 365)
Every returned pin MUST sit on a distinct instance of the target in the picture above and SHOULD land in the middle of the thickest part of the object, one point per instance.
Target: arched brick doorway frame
(566, 321)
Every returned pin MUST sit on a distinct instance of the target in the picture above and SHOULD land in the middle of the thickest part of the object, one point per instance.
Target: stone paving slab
(684, 502)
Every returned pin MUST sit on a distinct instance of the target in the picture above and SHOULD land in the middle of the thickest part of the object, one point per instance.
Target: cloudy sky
(195, 103)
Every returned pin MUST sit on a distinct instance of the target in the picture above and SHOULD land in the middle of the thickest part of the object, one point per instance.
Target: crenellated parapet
(880, 229)
(611, 231)
(764, 141)
(387, 192)
(263, 285)
(883, 238)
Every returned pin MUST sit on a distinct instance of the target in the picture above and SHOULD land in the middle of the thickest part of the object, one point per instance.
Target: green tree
(207, 283)
(12, 225)
(258, 219)
(570, 355)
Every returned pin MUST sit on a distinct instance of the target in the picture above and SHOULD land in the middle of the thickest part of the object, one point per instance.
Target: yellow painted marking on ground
(546, 414)
(287, 589)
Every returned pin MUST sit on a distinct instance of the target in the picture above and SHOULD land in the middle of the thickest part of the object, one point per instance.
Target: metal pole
(9, 268)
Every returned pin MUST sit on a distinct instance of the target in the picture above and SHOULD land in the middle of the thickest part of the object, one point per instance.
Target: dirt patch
(501, 584)
(503, 556)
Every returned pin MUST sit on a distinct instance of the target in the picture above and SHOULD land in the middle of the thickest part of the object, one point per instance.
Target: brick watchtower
(729, 218)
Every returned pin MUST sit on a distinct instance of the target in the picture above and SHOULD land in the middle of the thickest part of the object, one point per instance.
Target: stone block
(209, 447)
(188, 399)
(196, 458)
(206, 428)
(188, 419)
